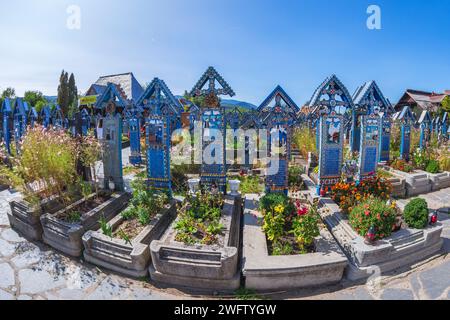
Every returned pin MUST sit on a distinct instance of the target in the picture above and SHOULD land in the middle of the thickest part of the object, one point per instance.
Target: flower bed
(201, 249)
(122, 245)
(348, 195)
(393, 247)
(64, 229)
(275, 258)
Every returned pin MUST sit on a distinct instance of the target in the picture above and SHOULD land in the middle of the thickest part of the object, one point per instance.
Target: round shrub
(373, 212)
(416, 214)
(433, 167)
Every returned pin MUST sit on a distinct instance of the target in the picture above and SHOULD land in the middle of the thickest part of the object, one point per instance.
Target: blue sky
(254, 44)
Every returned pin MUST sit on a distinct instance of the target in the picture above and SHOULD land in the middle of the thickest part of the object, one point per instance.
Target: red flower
(367, 213)
(302, 211)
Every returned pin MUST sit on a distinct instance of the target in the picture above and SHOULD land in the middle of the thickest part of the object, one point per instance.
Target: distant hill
(228, 103)
(51, 99)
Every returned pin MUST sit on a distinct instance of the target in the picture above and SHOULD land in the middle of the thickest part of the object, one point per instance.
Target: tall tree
(63, 92)
(445, 105)
(73, 90)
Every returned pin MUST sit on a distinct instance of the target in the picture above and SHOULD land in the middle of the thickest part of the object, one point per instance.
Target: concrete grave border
(117, 255)
(212, 268)
(66, 237)
(263, 272)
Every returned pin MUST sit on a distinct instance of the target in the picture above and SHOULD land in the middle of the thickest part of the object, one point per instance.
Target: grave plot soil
(132, 228)
(84, 207)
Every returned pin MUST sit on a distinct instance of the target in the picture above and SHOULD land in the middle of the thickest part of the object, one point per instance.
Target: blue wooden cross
(407, 120)
(213, 125)
(6, 114)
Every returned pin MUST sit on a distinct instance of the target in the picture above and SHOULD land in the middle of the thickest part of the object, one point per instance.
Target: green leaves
(145, 203)
(306, 228)
(373, 212)
(199, 221)
(106, 228)
(416, 213)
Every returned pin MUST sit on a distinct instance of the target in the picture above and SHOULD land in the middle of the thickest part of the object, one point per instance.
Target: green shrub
(281, 248)
(433, 167)
(416, 214)
(373, 212)
(305, 139)
(295, 179)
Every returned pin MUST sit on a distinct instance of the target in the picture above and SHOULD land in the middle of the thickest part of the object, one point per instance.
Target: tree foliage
(34, 99)
(67, 93)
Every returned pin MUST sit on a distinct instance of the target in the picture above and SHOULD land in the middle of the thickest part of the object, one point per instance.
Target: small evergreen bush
(416, 214)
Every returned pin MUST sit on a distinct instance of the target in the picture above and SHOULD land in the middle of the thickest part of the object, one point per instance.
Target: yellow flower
(279, 209)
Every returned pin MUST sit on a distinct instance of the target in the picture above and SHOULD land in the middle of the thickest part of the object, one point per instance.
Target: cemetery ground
(35, 271)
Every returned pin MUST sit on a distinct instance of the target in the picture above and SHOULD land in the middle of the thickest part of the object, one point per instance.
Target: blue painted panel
(370, 160)
(333, 164)
(135, 141)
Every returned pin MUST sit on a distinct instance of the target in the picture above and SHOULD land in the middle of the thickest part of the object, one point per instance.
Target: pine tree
(63, 92)
(73, 91)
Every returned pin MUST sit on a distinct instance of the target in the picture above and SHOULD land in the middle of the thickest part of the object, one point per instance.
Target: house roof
(425, 100)
(127, 82)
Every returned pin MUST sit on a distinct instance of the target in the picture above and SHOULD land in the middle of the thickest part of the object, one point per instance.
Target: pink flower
(367, 213)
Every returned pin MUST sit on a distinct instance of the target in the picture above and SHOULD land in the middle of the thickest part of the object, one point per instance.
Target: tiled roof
(127, 82)
(425, 100)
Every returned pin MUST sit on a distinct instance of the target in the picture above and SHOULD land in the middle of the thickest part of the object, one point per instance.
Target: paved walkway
(35, 271)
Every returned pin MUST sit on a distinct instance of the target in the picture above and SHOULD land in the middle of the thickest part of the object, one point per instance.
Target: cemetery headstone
(6, 114)
(385, 137)
(112, 152)
(213, 173)
(331, 146)
(134, 129)
(331, 104)
(425, 129)
(406, 119)
(158, 153)
(370, 138)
